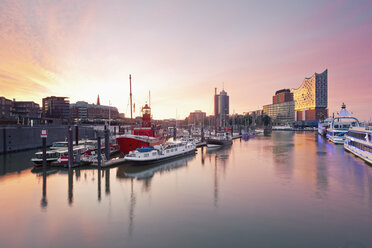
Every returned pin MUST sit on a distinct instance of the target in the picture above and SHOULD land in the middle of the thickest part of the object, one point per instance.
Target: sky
(182, 50)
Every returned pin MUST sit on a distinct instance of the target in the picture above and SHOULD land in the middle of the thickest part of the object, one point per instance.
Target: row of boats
(348, 131)
(145, 144)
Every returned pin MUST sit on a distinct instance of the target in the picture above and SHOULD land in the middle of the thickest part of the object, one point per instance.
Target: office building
(5, 109)
(283, 95)
(83, 111)
(282, 110)
(197, 117)
(56, 109)
(26, 112)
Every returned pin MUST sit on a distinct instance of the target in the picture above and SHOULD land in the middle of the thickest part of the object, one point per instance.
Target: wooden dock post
(99, 155)
(70, 147)
(107, 143)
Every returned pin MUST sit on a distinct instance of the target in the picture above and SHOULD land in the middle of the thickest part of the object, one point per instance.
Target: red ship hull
(131, 143)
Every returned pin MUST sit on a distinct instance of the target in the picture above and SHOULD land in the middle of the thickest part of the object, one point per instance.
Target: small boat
(323, 125)
(77, 153)
(358, 141)
(220, 139)
(168, 150)
(339, 126)
(285, 127)
(51, 156)
(59, 145)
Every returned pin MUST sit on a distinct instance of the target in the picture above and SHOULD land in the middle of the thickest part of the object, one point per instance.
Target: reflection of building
(222, 107)
(311, 98)
(56, 108)
(84, 111)
(197, 117)
(282, 110)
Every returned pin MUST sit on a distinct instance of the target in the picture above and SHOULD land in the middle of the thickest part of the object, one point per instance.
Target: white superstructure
(162, 152)
(340, 125)
(358, 140)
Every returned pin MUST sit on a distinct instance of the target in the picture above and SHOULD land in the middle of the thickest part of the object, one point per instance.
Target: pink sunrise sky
(181, 50)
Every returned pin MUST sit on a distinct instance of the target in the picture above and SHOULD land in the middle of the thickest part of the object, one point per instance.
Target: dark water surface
(283, 190)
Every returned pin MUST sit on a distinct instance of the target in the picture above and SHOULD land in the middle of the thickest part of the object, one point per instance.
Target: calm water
(283, 190)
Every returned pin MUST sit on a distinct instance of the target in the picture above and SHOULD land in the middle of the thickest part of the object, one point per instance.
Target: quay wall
(20, 138)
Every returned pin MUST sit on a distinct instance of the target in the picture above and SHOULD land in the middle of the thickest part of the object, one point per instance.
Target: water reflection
(321, 168)
(132, 206)
(220, 156)
(70, 186)
(146, 172)
(15, 162)
(44, 201)
(282, 151)
(221, 195)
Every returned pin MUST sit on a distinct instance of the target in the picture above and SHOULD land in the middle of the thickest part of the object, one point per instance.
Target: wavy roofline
(306, 78)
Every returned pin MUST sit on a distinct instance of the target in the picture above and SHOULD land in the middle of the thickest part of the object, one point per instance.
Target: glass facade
(312, 96)
(312, 93)
(281, 113)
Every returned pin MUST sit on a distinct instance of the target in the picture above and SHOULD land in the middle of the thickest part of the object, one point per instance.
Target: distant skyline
(182, 50)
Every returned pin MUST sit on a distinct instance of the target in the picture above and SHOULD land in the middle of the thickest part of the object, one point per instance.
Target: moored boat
(285, 127)
(323, 125)
(220, 139)
(339, 126)
(51, 156)
(162, 152)
(358, 141)
(145, 136)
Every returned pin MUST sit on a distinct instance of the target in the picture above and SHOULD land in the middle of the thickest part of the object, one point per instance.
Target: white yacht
(285, 127)
(162, 152)
(339, 126)
(358, 141)
(218, 140)
(323, 125)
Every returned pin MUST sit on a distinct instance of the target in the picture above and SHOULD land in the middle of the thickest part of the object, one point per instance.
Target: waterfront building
(197, 117)
(311, 98)
(83, 111)
(5, 109)
(56, 109)
(283, 95)
(222, 107)
(281, 113)
(26, 111)
(254, 113)
(282, 110)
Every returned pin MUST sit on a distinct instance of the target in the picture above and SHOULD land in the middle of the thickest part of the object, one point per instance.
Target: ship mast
(215, 111)
(131, 114)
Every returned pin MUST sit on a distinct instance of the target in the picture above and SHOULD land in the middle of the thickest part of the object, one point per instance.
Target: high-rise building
(56, 108)
(221, 104)
(311, 98)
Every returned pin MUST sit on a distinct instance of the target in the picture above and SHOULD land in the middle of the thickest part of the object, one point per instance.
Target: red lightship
(145, 136)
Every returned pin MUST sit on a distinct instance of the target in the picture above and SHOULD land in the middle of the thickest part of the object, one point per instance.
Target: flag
(134, 107)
